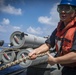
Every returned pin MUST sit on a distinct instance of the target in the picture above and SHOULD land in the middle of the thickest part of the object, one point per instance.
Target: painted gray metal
(28, 62)
(22, 40)
(10, 56)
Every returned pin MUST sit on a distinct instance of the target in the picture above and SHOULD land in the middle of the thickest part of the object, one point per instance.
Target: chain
(18, 61)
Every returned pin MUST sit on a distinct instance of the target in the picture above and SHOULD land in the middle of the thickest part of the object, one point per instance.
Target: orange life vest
(65, 37)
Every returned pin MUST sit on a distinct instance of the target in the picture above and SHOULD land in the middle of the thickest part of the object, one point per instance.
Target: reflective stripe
(58, 44)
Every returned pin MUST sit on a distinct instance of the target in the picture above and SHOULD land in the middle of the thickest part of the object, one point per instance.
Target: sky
(36, 17)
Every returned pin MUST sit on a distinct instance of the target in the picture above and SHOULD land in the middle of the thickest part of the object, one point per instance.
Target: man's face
(66, 17)
(66, 12)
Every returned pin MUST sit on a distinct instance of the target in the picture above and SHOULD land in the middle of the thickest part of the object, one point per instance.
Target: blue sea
(10, 70)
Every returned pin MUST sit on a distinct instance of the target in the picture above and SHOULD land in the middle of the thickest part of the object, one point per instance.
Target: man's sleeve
(74, 44)
(51, 39)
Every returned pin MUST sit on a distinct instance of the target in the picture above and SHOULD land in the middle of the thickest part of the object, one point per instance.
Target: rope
(8, 49)
(18, 61)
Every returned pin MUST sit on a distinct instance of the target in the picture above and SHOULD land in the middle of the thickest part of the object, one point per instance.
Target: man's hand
(33, 54)
(51, 59)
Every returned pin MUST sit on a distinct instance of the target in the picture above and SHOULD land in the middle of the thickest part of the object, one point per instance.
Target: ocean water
(12, 69)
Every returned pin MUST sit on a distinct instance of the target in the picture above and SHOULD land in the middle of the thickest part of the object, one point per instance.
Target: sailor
(63, 38)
